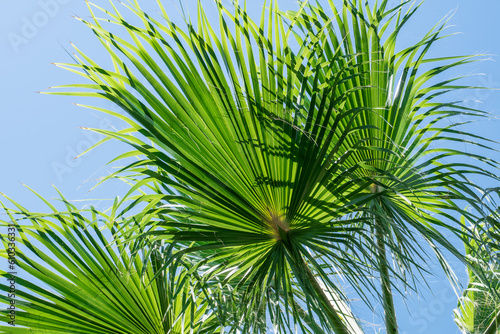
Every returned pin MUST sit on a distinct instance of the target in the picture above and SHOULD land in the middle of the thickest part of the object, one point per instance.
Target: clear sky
(40, 134)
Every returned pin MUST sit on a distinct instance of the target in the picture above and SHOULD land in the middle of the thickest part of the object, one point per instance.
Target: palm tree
(290, 166)
(84, 281)
(418, 180)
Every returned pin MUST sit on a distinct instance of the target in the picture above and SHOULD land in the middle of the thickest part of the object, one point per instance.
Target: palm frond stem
(388, 300)
(389, 310)
(338, 325)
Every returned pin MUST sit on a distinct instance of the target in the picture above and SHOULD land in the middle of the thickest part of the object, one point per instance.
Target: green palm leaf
(81, 282)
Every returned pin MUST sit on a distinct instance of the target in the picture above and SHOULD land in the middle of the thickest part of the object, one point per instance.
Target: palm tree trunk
(385, 280)
(389, 310)
(338, 325)
(304, 315)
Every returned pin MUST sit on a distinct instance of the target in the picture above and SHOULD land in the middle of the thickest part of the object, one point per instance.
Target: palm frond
(76, 279)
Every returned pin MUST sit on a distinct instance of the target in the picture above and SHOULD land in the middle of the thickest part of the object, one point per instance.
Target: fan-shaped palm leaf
(231, 130)
(81, 282)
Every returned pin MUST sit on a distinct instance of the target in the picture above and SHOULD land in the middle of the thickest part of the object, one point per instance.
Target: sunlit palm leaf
(79, 283)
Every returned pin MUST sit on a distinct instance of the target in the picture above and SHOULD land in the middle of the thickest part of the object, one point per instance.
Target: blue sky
(40, 135)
